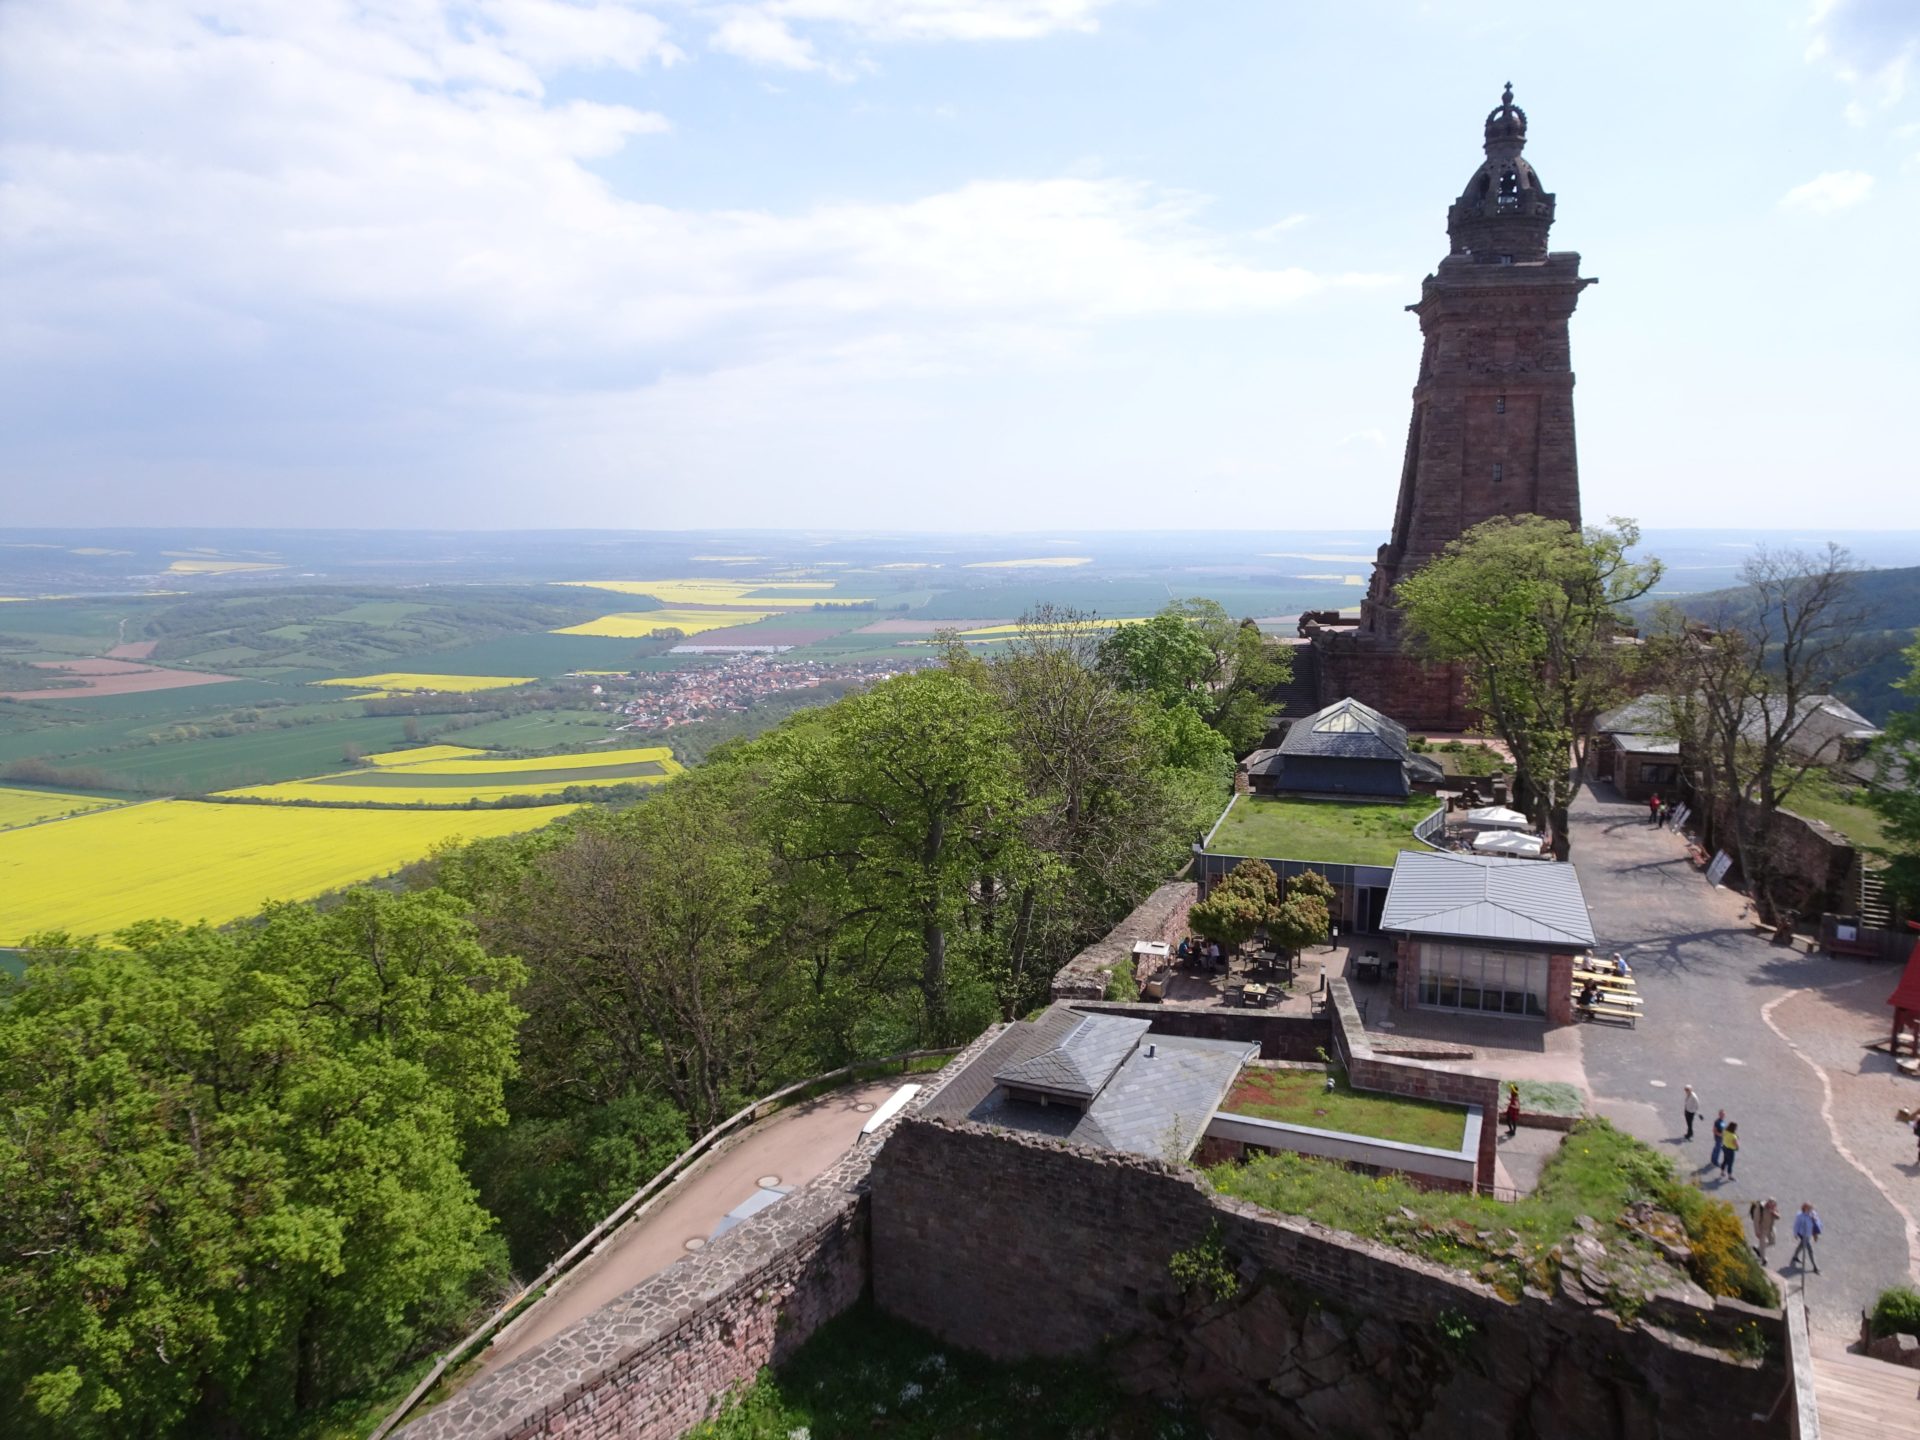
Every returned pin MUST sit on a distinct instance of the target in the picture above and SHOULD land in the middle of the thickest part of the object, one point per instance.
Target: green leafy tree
(1238, 905)
(1108, 817)
(1303, 918)
(1897, 794)
(1193, 657)
(886, 809)
(658, 962)
(231, 1163)
(1530, 607)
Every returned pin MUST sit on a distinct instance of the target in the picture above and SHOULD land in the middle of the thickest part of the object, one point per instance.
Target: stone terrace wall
(1281, 1037)
(1060, 1250)
(660, 1359)
(1415, 1079)
(1161, 916)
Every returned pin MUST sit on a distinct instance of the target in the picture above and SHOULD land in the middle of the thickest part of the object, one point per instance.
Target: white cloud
(1872, 46)
(1824, 194)
(944, 19)
(378, 223)
(1281, 227)
(762, 39)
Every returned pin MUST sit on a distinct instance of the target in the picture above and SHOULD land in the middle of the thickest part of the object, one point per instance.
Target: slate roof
(1154, 1104)
(1083, 1062)
(1645, 744)
(1487, 897)
(1824, 725)
(1159, 1104)
(1349, 730)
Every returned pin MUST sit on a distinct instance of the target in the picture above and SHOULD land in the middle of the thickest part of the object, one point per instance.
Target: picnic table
(1367, 966)
(1254, 993)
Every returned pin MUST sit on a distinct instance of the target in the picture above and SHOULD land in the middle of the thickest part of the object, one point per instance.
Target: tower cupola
(1503, 215)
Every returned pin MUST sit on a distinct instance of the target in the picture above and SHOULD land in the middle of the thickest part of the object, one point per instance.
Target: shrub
(1121, 984)
(1207, 1265)
(1723, 1261)
(1897, 1311)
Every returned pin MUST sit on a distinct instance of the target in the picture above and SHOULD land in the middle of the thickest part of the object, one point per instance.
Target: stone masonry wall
(661, 1358)
(1064, 1251)
(1418, 695)
(1161, 916)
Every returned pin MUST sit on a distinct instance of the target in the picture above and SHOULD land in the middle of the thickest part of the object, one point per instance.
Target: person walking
(1719, 1131)
(1729, 1147)
(1653, 810)
(1691, 1108)
(1513, 1111)
(1806, 1230)
(1765, 1215)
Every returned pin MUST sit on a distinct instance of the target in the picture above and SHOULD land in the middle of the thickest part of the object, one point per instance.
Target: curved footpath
(1770, 1034)
(793, 1146)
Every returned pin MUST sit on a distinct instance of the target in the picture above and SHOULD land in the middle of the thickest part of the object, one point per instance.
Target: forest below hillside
(256, 1173)
(1889, 603)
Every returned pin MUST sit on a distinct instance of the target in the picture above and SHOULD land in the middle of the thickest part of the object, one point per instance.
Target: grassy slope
(1324, 830)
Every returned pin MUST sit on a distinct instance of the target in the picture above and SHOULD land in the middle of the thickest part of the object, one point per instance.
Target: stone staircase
(1876, 912)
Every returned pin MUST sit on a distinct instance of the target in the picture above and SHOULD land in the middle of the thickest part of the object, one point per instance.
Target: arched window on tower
(1509, 198)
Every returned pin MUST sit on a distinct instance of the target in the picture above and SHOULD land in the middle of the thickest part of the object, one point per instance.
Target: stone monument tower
(1492, 427)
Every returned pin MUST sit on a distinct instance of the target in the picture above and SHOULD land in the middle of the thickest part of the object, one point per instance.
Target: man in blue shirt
(1806, 1230)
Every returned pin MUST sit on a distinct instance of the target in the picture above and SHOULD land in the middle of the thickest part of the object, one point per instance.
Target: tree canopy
(1192, 657)
(1530, 608)
(1897, 794)
(232, 1163)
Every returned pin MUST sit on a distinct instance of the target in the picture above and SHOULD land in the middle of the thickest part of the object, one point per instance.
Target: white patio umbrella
(1495, 817)
(1508, 842)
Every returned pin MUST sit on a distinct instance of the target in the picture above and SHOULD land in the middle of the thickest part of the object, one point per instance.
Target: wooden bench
(1610, 997)
(1601, 1010)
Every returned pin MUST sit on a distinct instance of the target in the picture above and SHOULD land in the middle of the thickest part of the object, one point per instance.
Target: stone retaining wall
(1064, 1251)
(1161, 916)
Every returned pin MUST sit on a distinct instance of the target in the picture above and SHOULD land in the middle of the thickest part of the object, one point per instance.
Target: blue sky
(925, 264)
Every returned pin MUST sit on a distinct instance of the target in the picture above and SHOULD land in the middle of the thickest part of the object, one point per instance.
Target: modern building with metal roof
(1486, 933)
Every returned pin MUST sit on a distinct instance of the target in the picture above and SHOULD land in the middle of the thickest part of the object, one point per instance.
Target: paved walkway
(790, 1148)
(1772, 1034)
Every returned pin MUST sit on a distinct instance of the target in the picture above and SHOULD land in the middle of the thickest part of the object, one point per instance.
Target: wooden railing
(675, 1170)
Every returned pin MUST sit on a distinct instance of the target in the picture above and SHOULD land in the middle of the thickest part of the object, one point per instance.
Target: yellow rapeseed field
(987, 632)
(24, 807)
(478, 764)
(486, 780)
(399, 683)
(1046, 561)
(748, 593)
(421, 753)
(189, 860)
(637, 624)
(220, 567)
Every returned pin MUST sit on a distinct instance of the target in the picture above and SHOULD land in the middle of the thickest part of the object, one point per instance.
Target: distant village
(677, 697)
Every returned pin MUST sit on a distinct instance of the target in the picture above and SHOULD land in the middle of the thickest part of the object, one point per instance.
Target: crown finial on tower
(1506, 96)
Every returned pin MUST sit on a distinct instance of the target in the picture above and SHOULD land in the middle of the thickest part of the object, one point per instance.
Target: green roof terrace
(1332, 832)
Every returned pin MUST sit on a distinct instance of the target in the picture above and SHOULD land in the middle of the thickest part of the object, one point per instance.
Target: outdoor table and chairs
(1254, 993)
(1367, 966)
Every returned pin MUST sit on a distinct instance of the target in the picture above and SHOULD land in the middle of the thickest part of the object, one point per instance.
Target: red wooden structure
(1905, 1001)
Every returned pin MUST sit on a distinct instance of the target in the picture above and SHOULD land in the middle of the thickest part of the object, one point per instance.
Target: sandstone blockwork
(1064, 1251)
(1492, 429)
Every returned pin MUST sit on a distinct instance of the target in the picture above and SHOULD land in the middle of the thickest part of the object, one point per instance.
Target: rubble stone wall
(1064, 1251)
(1161, 916)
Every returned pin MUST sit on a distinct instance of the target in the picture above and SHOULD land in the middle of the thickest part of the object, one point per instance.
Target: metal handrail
(674, 1170)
